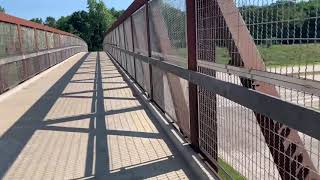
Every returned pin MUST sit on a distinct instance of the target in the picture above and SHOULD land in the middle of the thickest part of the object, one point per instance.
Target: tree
(37, 20)
(2, 9)
(63, 24)
(116, 13)
(81, 25)
(50, 21)
(100, 19)
(91, 26)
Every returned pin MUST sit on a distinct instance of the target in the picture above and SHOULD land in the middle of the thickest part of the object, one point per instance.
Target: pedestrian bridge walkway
(81, 120)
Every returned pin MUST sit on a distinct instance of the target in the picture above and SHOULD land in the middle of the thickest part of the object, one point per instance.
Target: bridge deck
(80, 120)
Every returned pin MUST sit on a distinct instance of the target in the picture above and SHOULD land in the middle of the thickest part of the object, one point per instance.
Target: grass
(282, 55)
(226, 168)
(275, 55)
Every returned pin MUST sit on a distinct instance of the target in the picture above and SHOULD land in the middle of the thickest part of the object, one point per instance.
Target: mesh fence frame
(239, 34)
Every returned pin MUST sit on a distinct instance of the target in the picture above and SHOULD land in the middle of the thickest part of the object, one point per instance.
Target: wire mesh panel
(286, 33)
(167, 21)
(56, 40)
(9, 40)
(63, 41)
(207, 100)
(50, 40)
(168, 30)
(129, 46)
(245, 34)
(9, 75)
(141, 46)
(28, 40)
(41, 40)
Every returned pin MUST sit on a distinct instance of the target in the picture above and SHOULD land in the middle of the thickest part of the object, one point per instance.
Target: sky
(28, 9)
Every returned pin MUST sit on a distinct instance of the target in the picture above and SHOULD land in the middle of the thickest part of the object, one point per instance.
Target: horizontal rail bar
(12, 59)
(304, 85)
(275, 108)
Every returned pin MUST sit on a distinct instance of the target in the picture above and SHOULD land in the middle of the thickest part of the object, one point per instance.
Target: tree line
(90, 25)
(284, 21)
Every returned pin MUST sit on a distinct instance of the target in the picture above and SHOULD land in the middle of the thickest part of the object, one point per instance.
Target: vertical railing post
(36, 39)
(24, 66)
(61, 52)
(20, 38)
(149, 49)
(133, 48)
(119, 45)
(47, 45)
(192, 65)
(125, 45)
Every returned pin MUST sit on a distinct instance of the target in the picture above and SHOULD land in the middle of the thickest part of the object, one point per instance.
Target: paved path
(80, 120)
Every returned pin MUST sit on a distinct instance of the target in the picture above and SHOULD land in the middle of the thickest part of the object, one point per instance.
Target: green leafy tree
(63, 24)
(2, 9)
(37, 20)
(90, 25)
(100, 19)
(116, 13)
(81, 25)
(50, 21)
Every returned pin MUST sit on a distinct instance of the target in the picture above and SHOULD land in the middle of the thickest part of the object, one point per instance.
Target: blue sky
(28, 9)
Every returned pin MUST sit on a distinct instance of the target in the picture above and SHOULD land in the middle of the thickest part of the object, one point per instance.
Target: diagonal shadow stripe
(85, 116)
(90, 91)
(147, 135)
(68, 119)
(89, 97)
(134, 134)
(141, 171)
(66, 129)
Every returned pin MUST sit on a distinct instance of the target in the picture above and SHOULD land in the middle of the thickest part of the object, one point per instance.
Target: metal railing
(28, 48)
(240, 79)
